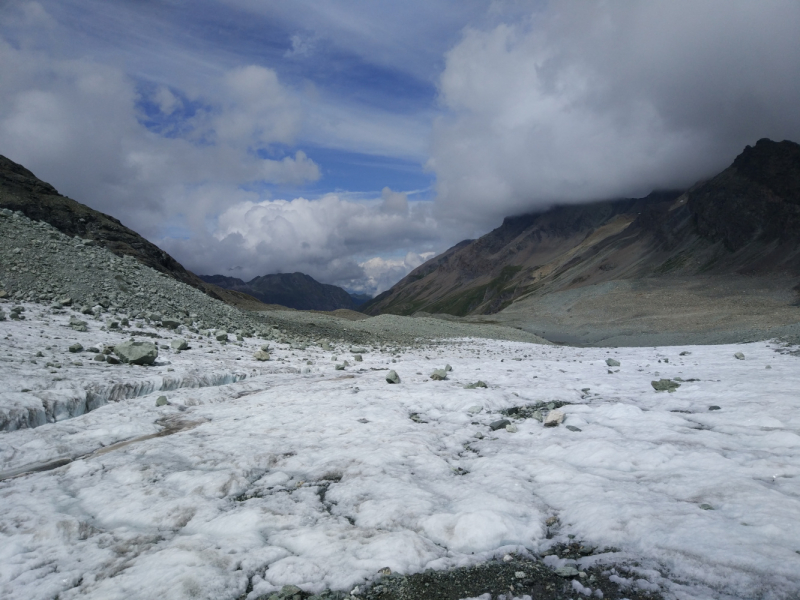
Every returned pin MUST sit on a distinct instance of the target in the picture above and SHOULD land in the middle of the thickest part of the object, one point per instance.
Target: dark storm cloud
(582, 101)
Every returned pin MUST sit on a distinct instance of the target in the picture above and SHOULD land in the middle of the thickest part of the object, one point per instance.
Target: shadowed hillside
(743, 222)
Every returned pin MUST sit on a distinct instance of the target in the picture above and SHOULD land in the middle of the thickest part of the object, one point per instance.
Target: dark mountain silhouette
(293, 290)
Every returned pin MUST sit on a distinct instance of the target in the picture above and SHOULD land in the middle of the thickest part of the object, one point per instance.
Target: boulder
(477, 384)
(221, 336)
(170, 323)
(501, 424)
(554, 418)
(77, 324)
(392, 377)
(76, 347)
(137, 353)
(439, 375)
(161, 401)
(665, 385)
(179, 344)
(739, 356)
(262, 356)
(612, 363)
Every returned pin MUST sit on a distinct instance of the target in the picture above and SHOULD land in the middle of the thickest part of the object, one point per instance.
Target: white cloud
(257, 108)
(382, 273)
(394, 202)
(593, 100)
(319, 237)
(167, 102)
(74, 123)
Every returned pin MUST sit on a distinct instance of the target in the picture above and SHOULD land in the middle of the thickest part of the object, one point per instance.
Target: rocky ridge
(741, 224)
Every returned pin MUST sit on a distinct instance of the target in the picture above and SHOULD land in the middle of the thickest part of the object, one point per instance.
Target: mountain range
(293, 290)
(721, 255)
(744, 221)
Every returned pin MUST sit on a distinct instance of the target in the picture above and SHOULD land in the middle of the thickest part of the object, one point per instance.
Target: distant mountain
(744, 221)
(293, 290)
(21, 190)
(359, 299)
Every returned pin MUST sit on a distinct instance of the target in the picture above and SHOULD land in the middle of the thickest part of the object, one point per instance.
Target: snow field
(320, 479)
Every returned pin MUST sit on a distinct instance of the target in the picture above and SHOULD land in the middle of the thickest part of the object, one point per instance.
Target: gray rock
(357, 357)
(110, 359)
(221, 336)
(706, 507)
(573, 428)
(511, 428)
(567, 572)
(170, 323)
(554, 418)
(448, 368)
(76, 347)
(179, 344)
(685, 353)
(474, 410)
(612, 362)
(77, 324)
(99, 357)
(3, 294)
(2, 315)
(355, 350)
(137, 353)
(714, 407)
(739, 356)
(477, 384)
(392, 377)
(65, 301)
(161, 401)
(439, 375)
(262, 356)
(665, 385)
(265, 347)
(501, 424)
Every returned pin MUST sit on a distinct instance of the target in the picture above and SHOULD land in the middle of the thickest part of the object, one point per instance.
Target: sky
(353, 139)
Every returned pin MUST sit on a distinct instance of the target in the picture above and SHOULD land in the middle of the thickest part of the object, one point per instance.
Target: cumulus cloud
(77, 123)
(394, 202)
(382, 273)
(322, 238)
(591, 100)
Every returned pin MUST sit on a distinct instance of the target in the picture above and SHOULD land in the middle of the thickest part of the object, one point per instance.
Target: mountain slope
(744, 221)
(293, 290)
(21, 190)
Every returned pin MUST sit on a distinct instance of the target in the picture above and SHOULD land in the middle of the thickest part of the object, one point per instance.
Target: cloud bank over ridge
(584, 101)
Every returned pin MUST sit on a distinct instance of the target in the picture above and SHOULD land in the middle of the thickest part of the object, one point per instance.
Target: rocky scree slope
(40, 264)
(743, 222)
(293, 290)
(21, 190)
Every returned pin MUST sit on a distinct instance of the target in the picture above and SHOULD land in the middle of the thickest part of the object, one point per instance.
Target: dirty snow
(301, 474)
